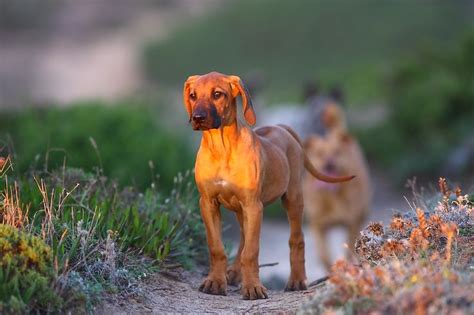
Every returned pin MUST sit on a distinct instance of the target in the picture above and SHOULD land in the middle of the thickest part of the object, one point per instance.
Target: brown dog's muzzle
(205, 117)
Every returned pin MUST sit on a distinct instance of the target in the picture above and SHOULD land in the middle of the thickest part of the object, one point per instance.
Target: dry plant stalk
(51, 207)
(5, 165)
(449, 230)
(11, 211)
(422, 222)
(443, 187)
(2, 163)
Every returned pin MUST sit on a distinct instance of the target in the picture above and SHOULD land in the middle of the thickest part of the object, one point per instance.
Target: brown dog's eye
(192, 96)
(217, 95)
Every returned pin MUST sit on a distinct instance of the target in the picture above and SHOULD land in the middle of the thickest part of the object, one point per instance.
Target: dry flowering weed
(421, 263)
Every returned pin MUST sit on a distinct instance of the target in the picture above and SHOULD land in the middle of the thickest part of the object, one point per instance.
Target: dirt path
(178, 293)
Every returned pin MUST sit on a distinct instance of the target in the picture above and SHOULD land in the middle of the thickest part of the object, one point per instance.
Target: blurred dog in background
(330, 205)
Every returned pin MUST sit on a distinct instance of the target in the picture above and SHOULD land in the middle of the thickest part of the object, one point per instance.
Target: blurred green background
(112, 71)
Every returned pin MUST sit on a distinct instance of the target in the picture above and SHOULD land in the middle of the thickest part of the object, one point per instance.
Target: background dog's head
(331, 154)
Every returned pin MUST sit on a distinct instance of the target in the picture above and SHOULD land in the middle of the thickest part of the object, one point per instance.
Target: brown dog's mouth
(205, 126)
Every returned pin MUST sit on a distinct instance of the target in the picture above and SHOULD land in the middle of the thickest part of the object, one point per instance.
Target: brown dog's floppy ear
(187, 102)
(238, 87)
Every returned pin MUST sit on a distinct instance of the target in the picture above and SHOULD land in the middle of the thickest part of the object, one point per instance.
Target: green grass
(290, 42)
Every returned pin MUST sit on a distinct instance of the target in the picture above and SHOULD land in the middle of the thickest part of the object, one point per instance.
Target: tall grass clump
(89, 235)
(421, 263)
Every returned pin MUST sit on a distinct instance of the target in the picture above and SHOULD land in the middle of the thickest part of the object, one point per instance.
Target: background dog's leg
(252, 288)
(353, 232)
(294, 205)
(320, 235)
(216, 282)
(234, 273)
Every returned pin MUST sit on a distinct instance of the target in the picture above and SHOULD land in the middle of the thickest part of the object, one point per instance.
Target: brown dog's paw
(234, 277)
(212, 286)
(254, 292)
(296, 285)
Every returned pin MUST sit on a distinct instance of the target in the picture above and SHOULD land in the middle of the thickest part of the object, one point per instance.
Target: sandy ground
(178, 293)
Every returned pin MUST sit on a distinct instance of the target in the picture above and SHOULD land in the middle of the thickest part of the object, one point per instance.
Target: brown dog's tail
(309, 166)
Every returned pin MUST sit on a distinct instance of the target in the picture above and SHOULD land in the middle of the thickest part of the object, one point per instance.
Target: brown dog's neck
(223, 139)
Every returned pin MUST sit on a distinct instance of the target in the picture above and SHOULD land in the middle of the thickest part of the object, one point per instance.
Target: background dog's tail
(310, 167)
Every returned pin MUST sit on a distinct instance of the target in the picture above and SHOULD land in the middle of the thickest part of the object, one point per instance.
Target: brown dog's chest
(225, 190)
(228, 180)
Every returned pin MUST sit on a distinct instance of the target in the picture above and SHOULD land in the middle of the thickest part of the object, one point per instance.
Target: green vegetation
(26, 273)
(80, 234)
(431, 97)
(124, 139)
(290, 42)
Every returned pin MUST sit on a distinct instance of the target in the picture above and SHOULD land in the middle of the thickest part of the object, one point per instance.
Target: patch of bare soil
(177, 292)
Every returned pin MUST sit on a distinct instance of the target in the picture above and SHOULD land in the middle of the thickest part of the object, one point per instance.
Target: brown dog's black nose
(199, 116)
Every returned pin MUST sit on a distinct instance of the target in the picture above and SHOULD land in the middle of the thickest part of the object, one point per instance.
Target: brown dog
(244, 170)
(328, 206)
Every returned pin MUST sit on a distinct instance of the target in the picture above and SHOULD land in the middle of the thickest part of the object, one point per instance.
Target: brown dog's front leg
(215, 283)
(252, 288)
(234, 272)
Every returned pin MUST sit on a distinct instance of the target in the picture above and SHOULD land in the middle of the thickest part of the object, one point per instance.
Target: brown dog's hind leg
(252, 288)
(234, 272)
(294, 205)
(216, 282)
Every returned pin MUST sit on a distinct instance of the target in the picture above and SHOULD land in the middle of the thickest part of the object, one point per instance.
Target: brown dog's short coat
(244, 170)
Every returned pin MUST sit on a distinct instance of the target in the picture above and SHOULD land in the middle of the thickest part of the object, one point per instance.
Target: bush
(26, 273)
(418, 264)
(100, 236)
(120, 138)
(431, 98)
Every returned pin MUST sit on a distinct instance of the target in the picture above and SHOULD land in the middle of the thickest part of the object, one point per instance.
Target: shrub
(418, 264)
(124, 140)
(26, 273)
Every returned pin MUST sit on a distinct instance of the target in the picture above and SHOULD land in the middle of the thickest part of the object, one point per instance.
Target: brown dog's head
(210, 100)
